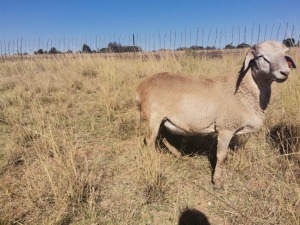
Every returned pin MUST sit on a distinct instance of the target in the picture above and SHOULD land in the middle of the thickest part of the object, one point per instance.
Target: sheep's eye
(266, 59)
(261, 56)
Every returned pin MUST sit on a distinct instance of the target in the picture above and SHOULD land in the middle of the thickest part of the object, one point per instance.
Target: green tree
(229, 46)
(243, 45)
(86, 49)
(53, 50)
(39, 52)
(289, 42)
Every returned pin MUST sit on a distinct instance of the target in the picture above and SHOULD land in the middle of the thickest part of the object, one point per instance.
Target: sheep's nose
(285, 72)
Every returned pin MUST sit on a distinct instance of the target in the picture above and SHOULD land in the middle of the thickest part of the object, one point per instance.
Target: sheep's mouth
(280, 80)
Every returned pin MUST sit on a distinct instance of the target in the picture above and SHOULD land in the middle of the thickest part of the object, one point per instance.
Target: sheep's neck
(254, 96)
(264, 88)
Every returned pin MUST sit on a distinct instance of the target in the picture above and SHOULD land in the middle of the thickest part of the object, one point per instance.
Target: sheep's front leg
(173, 150)
(224, 138)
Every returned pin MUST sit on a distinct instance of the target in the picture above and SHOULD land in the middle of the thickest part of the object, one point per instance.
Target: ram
(226, 105)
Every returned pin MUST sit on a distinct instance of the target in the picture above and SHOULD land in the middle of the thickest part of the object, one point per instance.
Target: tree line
(114, 47)
(111, 47)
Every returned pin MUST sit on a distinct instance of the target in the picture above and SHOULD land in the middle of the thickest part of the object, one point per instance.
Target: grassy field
(71, 151)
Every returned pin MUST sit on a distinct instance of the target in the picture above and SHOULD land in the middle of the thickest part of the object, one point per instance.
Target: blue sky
(104, 20)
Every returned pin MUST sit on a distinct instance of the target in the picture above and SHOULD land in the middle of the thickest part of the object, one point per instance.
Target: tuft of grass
(126, 127)
(151, 177)
(90, 73)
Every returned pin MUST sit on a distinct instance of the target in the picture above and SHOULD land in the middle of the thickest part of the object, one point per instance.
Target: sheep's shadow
(285, 138)
(199, 145)
(192, 217)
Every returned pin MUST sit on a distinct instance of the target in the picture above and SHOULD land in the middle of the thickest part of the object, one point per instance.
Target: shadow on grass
(285, 137)
(192, 217)
(200, 145)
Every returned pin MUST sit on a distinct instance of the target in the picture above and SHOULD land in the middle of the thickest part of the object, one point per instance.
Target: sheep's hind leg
(224, 138)
(154, 127)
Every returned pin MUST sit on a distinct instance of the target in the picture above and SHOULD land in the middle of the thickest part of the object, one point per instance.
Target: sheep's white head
(270, 60)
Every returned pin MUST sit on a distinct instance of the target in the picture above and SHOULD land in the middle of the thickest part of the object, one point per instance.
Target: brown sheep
(226, 105)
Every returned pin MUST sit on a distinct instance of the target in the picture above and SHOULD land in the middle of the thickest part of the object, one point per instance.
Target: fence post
(252, 34)
(239, 35)
(184, 37)
(197, 36)
(202, 37)
(245, 31)
(278, 32)
(286, 29)
(170, 46)
(216, 38)
(265, 33)
(154, 41)
(133, 40)
(220, 40)
(159, 40)
(8, 45)
(21, 46)
(258, 33)
(208, 37)
(232, 35)
(181, 39)
(165, 36)
(13, 46)
(175, 41)
(190, 37)
(149, 37)
(271, 32)
(33, 47)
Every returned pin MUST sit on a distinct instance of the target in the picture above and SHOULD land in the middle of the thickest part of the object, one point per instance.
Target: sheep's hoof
(218, 185)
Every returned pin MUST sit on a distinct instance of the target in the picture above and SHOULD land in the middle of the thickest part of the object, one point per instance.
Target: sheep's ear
(290, 61)
(246, 64)
(249, 57)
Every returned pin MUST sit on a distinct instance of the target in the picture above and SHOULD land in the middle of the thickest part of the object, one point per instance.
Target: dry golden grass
(71, 151)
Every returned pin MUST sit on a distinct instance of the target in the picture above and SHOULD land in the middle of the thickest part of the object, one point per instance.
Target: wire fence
(197, 38)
